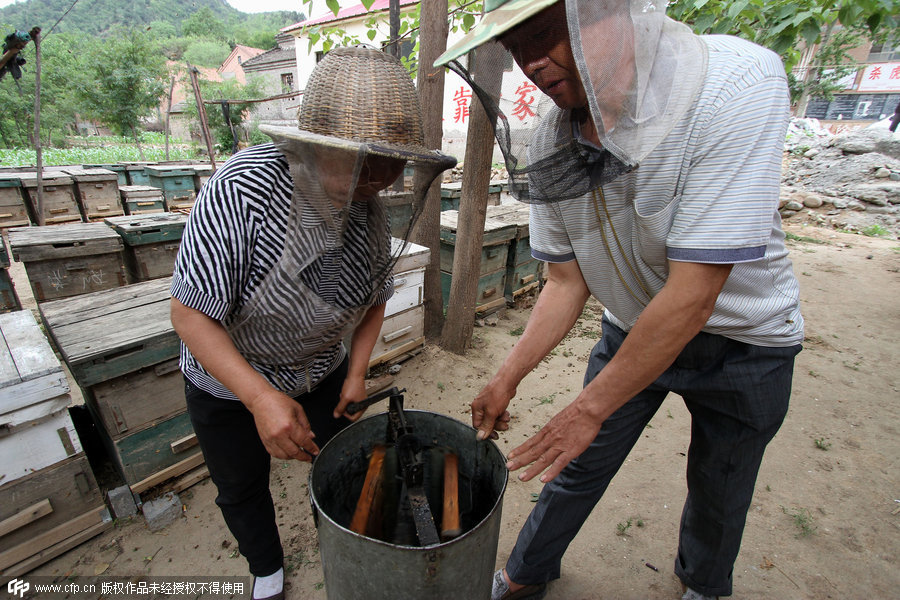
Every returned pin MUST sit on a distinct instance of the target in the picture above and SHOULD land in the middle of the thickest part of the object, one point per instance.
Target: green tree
(62, 57)
(204, 24)
(230, 90)
(127, 76)
(206, 53)
(795, 30)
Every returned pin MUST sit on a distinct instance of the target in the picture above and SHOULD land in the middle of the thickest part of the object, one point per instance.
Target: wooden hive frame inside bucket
(392, 566)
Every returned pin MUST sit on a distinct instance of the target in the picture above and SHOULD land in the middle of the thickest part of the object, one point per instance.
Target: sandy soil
(824, 518)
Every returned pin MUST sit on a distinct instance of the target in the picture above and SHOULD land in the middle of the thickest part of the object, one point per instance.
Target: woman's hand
(353, 390)
(283, 426)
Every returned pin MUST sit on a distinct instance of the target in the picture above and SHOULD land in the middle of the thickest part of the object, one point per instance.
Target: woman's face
(377, 173)
(336, 166)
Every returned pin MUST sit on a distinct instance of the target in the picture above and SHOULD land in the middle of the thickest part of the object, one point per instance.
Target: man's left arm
(674, 316)
(361, 345)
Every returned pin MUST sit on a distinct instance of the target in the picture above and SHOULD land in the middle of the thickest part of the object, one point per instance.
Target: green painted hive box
(135, 174)
(451, 193)
(176, 182)
(492, 267)
(141, 199)
(108, 334)
(151, 243)
(119, 170)
(524, 273)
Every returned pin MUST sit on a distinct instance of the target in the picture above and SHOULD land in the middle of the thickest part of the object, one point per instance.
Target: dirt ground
(824, 520)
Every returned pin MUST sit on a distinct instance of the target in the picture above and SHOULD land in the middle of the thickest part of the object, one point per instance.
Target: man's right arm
(559, 305)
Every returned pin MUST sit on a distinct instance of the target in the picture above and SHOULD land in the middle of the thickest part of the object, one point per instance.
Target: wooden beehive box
(119, 170)
(177, 184)
(404, 324)
(68, 260)
(524, 273)
(35, 427)
(13, 205)
(135, 174)
(122, 350)
(492, 271)
(60, 204)
(49, 499)
(202, 173)
(151, 243)
(97, 191)
(140, 199)
(451, 193)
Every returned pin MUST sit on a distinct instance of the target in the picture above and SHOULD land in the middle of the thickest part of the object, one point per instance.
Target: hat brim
(409, 153)
(494, 24)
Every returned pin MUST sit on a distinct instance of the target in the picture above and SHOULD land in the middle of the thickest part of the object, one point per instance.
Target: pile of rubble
(849, 181)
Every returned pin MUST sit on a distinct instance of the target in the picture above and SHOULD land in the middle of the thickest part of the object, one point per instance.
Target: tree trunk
(39, 161)
(460, 322)
(433, 29)
(137, 141)
(169, 110)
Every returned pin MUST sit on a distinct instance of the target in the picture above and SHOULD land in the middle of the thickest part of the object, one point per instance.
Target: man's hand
(566, 436)
(283, 427)
(489, 414)
(353, 390)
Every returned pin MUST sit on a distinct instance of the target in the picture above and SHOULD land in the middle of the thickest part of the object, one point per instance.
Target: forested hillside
(99, 17)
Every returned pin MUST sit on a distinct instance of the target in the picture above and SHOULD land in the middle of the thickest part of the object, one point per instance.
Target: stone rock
(812, 153)
(793, 205)
(787, 214)
(895, 176)
(121, 502)
(856, 205)
(841, 203)
(812, 200)
(883, 173)
(161, 512)
(863, 141)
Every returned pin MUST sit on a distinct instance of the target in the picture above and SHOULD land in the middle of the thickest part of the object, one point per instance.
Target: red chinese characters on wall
(462, 97)
(524, 100)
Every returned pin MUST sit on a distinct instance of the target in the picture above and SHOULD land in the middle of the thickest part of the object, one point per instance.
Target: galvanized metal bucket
(364, 568)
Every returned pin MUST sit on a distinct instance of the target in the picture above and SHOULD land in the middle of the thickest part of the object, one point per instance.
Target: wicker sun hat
(361, 96)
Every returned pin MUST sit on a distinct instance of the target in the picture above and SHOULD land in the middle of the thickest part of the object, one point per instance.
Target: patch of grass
(517, 331)
(822, 444)
(547, 399)
(792, 237)
(623, 527)
(802, 519)
(875, 230)
(440, 386)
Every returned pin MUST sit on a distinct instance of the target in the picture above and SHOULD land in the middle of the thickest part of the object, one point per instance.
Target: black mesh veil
(638, 71)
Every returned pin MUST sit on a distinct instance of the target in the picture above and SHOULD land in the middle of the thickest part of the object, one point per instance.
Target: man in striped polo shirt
(654, 180)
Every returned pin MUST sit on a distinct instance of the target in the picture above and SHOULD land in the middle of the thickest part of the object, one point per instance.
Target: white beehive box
(36, 430)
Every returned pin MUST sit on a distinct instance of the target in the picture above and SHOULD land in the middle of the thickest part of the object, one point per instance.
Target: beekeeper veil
(359, 129)
(640, 71)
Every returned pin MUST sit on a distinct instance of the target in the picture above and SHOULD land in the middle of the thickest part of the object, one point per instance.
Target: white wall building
(520, 94)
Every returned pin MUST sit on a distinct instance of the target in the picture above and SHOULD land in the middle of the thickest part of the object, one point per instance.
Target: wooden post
(201, 110)
(433, 29)
(457, 333)
(39, 161)
(169, 110)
